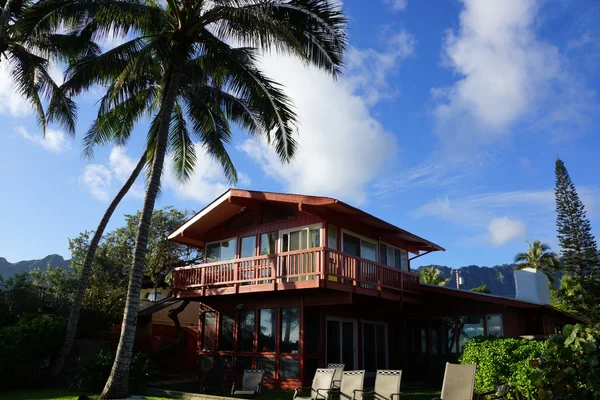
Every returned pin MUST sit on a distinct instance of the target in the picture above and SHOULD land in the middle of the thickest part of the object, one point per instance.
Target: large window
(221, 251)
(267, 243)
(246, 331)
(209, 325)
(290, 330)
(248, 248)
(288, 368)
(494, 325)
(393, 256)
(359, 247)
(266, 331)
(226, 333)
(301, 238)
(470, 326)
(332, 237)
(374, 346)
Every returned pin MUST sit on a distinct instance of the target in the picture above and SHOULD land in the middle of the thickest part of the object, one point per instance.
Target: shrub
(27, 348)
(503, 360)
(91, 373)
(569, 366)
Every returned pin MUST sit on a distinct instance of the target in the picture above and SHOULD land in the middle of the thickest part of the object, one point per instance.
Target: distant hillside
(499, 279)
(8, 269)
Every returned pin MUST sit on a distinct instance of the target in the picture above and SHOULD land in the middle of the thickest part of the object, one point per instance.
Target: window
(332, 237)
(312, 329)
(246, 333)
(248, 248)
(206, 362)
(470, 326)
(290, 330)
(267, 243)
(221, 251)
(393, 256)
(288, 368)
(494, 325)
(244, 220)
(268, 364)
(301, 238)
(226, 362)
(374, 345)
(359, 247)
(242, 363)
(277, 212)
(209, 325)
(226, 333)
(266, 332)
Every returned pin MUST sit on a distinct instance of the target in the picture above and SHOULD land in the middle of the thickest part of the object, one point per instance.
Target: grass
(409, 392)
(52, 394)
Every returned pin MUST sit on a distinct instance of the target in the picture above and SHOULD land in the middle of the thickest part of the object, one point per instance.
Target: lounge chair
(459, 382)
(351, 387)
(321, 386)
(252, 383)
(213, 379)
(337, 376)
(387, 385)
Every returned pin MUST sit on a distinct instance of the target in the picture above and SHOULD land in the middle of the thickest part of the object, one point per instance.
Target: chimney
(532, 285)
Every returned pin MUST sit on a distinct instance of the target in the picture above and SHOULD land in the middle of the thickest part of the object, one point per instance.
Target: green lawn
(52, 394)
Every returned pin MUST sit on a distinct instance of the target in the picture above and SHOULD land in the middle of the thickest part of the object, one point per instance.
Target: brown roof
(229, 204)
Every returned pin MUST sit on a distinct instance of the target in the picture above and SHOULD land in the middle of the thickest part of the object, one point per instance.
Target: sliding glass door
(307, 237)
(374, 346)
(341, 343)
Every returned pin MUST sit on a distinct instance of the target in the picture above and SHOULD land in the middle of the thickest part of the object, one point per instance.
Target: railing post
(236, 272)
(322, 260)
(356, 268)
(378, 274)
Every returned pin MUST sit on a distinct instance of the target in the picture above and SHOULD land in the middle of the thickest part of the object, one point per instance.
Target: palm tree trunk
(117, 385)
(87, 268)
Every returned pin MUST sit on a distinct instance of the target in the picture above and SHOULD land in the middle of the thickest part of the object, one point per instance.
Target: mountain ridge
(8, 269)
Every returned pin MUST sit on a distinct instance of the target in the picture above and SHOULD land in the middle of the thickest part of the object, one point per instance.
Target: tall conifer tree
(578, 246)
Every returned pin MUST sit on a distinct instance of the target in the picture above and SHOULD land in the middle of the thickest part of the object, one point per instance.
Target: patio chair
(252, 383)
(337, 376)
(497, 394)
(459, 382)
(352, 385)
(321, 386)
(214, 378)
(387, 385)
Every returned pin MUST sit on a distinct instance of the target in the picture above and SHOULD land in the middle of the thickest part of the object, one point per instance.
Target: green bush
(569, 366)
(503, 360)
(27, 348)
(91, 373)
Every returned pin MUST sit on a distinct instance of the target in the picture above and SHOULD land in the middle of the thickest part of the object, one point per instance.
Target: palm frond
(181, 145)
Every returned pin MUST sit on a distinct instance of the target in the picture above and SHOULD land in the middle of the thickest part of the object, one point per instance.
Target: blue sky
(447, 123)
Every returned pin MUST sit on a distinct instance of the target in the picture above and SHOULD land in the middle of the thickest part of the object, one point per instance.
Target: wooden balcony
(319, 267)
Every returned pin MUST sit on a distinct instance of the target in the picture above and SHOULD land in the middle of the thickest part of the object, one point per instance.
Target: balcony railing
(316, 267)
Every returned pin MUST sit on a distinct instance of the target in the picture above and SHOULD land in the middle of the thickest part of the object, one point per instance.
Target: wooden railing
(319, 263)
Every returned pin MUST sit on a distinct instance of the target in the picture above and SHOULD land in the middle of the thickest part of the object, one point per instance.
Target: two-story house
(292, 282)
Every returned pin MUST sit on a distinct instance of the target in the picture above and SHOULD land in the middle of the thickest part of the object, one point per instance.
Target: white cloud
(504, 229)
(505, 74)
(98, 179)
(54, 140)
(399, 5)
(341, 146)
(11, 102)
(206, 183)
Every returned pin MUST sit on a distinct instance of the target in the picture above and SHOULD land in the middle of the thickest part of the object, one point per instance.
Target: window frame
(395, 248)
(318, 225)
(237, 243)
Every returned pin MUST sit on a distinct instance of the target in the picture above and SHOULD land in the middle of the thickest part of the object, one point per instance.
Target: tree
(87, 267)
(432, 276)
(579, 253)
(538, 257)
(481, 289)
(180, 66)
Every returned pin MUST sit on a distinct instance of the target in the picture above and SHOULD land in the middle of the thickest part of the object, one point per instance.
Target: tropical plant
(538, 257)
(180, 66)
(483, 288)
(432, 276)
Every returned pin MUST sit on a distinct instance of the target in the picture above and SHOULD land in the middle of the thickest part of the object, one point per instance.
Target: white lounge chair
(459, 382)
(252, 382)
(387, 385)
(321, 386)
(337, 376)
(351, 387)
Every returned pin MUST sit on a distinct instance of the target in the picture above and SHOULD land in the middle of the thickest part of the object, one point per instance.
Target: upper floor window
(332, 237)
(359, 247)
(221, 251)
(306, 237)
(277, 212)
(248, 247)
(267, 243)
(393, 256)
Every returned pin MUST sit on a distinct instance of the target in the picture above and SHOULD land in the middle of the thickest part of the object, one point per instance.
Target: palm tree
(538, 257)
(432, 276)
(28, 56)
(181, 67)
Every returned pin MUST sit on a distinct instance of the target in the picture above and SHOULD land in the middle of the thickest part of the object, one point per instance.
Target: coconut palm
(432, 276)
(193, 66)
(28, 55)
(539, 257)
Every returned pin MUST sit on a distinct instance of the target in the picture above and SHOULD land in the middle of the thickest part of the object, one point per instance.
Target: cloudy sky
(447, 123)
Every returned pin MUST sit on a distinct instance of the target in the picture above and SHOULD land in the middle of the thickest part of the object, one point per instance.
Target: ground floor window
(341, 342)
(374, 346)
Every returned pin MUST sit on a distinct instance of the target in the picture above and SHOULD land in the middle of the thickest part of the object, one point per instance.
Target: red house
(291, 283)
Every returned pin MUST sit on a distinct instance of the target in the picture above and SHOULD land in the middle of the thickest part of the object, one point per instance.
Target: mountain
(499, 279)
(8, 269)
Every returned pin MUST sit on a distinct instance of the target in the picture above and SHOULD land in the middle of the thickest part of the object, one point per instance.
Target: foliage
(579, 295)
(503, 360)
(579, 252)
(18, 297)
(91, 373)
(538, 257)
(481, 289)
(26, 346)
(432, 276)
(569, 365)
